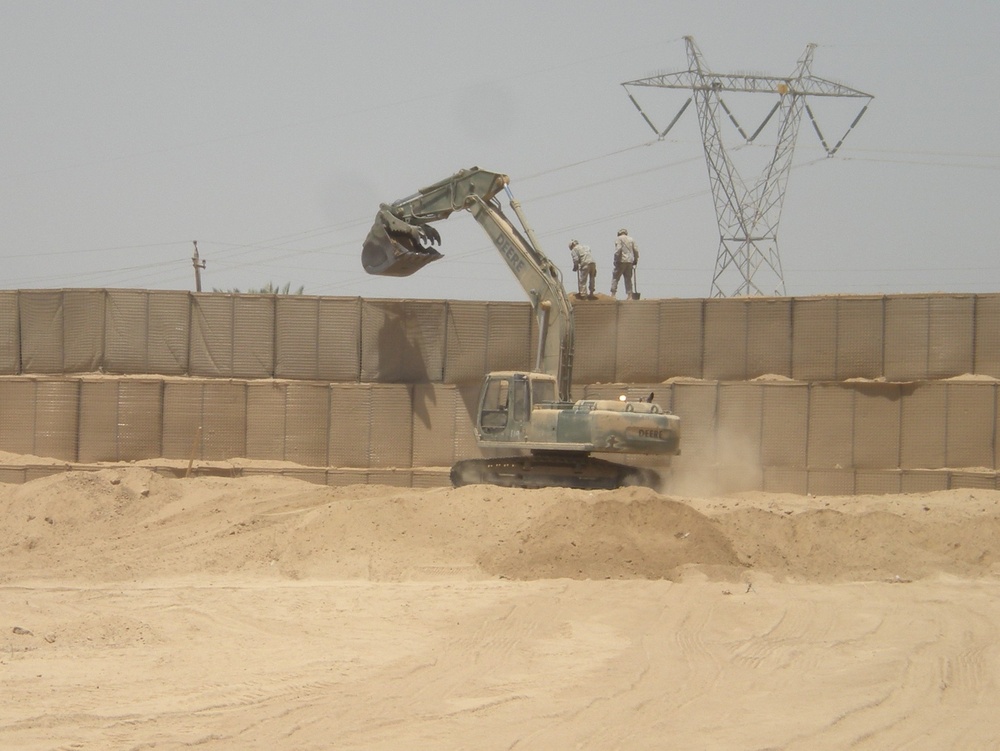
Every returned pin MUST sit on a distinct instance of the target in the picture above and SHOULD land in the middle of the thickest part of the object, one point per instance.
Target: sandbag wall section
(214, 335)
(840, 438)
(437, 351)
(823, 437)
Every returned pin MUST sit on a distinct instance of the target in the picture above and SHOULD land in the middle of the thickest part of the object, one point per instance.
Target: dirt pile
(626, 534)
(264, 612)
(129, 523)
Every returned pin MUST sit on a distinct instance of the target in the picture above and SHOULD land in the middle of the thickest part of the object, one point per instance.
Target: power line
(80, 251)
(227, 256)
(922, 163)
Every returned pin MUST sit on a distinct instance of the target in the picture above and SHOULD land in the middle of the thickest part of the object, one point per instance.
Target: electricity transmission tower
(748, 214)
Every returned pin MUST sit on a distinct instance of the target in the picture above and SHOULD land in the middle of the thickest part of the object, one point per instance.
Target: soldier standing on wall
(626, 258)
(585, 268)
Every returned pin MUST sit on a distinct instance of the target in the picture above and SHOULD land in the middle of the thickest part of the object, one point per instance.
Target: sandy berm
(141, 612)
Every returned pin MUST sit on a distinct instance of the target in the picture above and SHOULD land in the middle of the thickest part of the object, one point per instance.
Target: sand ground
(140, 612)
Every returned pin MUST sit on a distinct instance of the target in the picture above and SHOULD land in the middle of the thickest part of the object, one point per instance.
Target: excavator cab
(504, 407)
(506, 402)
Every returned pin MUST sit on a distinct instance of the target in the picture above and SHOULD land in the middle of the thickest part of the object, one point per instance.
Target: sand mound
(130, 523)
(264, 612)
(622, 535)
(828, 545)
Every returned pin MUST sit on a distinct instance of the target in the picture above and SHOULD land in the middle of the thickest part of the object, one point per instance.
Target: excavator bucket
(400, 250)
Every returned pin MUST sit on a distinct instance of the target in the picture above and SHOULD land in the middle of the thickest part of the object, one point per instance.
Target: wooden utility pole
(198, 266)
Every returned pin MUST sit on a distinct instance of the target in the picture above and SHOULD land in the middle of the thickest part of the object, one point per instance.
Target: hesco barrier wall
(822, 395)
(898, 338)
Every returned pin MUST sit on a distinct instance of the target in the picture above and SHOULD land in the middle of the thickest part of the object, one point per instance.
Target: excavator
(548, 438)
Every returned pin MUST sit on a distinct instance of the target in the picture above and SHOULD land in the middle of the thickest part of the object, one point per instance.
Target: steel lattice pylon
(748, 215)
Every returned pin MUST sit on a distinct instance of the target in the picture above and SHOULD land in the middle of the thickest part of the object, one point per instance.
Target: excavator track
(552, 469)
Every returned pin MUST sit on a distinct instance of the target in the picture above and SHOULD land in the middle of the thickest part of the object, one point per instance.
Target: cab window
(542, 391)
(495, 405)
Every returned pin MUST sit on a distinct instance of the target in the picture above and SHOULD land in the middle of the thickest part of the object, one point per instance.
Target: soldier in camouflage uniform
(585, 268)
(626, 258)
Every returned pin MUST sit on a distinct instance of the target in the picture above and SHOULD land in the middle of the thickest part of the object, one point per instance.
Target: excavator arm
(518, 411)
(402, 241)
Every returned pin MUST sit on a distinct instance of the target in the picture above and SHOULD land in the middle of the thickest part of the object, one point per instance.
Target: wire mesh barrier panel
(840, 394)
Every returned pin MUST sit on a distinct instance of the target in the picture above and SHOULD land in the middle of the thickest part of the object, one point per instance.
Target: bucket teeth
(399, 249)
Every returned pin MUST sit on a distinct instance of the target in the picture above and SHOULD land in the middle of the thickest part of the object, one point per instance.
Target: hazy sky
(270, 131)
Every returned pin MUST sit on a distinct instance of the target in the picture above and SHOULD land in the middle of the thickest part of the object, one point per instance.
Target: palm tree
(267, 289)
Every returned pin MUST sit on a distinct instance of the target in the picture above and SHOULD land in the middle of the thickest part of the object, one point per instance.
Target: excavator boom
(402, 241)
